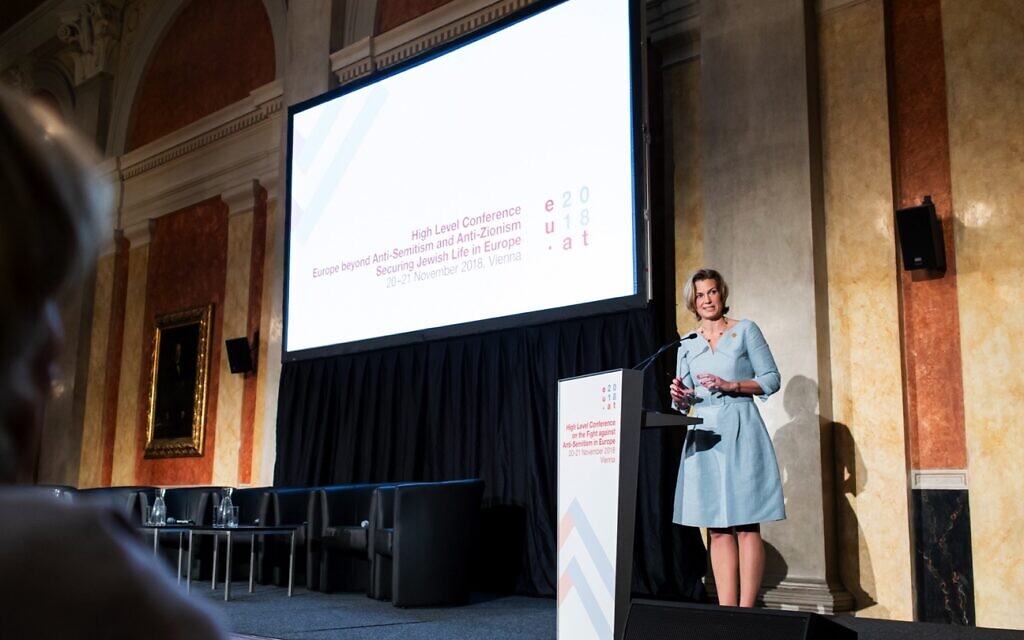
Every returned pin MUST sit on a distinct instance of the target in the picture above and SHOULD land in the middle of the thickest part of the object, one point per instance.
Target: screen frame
(641, 230)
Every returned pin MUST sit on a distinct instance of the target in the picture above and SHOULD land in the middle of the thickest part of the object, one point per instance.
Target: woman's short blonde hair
(54, 210)
(690, 289)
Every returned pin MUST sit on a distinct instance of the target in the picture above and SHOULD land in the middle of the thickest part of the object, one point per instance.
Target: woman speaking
(728, 476)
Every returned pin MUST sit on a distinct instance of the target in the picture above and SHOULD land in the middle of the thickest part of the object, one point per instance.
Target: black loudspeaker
(239, 355)
(921, 237)
(653, 620)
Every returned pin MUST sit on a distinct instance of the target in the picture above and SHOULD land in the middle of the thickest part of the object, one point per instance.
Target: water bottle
(158, 516)
(224, 512)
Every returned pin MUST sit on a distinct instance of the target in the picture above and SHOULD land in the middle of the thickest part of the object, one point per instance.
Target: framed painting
(179, 367)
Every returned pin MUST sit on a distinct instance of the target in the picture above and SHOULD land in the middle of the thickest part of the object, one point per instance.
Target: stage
(269, 613)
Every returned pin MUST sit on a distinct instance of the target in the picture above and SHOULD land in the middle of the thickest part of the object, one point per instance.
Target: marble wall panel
(235, 312)
(682, 108)
(187, 269)
(984, 54)
(126, 438)
(265, 421)
(90, 470)
(113, 357)
(920, 140)
(250, 394)
(867, 399)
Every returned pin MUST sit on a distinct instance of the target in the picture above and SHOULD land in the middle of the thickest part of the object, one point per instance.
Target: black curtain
(486, 406)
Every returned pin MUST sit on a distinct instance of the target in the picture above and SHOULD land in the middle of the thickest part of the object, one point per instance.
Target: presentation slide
(494, 180)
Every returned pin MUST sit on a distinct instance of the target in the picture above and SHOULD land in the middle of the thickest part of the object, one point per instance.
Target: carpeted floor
(270, 613)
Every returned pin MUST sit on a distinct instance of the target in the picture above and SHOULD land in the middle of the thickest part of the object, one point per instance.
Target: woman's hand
(711, 382)
(681, 396)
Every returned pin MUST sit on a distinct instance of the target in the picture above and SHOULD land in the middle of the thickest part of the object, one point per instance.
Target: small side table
(229, 534)
(181, 530)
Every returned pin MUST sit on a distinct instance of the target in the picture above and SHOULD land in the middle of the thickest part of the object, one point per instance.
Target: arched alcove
(392, 13)
(213, 55)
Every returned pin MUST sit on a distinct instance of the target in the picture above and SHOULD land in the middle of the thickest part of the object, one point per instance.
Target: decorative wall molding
(673, 26)
(670, 18)
(428, 31)
(33, 31)
(270, 182)
(93, 30)
(949, 479)
(139, 233)
(205, 159)
(264, 102)
(240, 199)
(824, 6)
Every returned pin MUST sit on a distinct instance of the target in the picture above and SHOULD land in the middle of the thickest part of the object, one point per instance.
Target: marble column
(764, 229)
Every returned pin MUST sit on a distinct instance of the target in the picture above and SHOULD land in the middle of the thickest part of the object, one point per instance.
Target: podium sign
(598, 450)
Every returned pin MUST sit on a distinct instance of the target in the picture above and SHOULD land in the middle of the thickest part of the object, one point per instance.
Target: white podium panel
(598, 436)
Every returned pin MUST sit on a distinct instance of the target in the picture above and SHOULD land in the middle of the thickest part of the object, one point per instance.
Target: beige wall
(863, 316)
(135, 375)
(682, 90)
(126, 438)
(90, 470)
(230, 387)
(985, 88)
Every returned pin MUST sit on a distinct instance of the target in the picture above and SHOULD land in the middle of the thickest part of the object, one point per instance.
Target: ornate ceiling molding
(93, 30)
(264, 102)
(205, 159)
(426, 32)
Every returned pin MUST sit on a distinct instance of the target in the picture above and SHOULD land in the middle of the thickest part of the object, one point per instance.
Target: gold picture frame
(179, 368)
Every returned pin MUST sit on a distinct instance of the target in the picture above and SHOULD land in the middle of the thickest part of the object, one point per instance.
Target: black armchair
(339, 541)
(124, 500)
(55, 491)
(422, 540)
(291, 506)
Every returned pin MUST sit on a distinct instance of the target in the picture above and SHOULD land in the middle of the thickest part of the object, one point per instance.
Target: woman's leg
(724, 564)
(751, 563)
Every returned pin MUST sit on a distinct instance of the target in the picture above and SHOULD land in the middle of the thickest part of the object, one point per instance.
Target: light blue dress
(728, 474)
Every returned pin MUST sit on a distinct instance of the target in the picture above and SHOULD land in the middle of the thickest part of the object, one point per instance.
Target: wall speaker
(654, 620)
(921, 237)
(239, 355)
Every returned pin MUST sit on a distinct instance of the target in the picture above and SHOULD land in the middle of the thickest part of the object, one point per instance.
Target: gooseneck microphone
(649, 360)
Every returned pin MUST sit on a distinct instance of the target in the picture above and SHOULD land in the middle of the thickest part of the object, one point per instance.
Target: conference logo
(610, 397)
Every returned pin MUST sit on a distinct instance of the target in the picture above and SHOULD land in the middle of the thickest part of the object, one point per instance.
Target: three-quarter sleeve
(766, 373)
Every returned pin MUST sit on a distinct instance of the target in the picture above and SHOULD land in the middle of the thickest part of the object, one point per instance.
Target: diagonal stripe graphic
(324, 122)
(601, 625)
(598, 555)
(339, 164)
(565, 527)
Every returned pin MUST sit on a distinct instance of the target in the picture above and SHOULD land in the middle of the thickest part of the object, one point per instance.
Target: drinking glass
(233, 521)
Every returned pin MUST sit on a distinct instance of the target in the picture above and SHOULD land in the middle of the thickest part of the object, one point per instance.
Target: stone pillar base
(807, 595)
(800, 595)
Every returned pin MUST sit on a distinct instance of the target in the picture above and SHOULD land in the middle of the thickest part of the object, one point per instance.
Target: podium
(599, 424)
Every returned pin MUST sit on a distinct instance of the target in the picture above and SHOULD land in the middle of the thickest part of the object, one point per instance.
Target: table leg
(155, 532)
(291, 566)
(252, 558)
(227, 569)
(216, 545)
(188, 569)
(181, 538)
